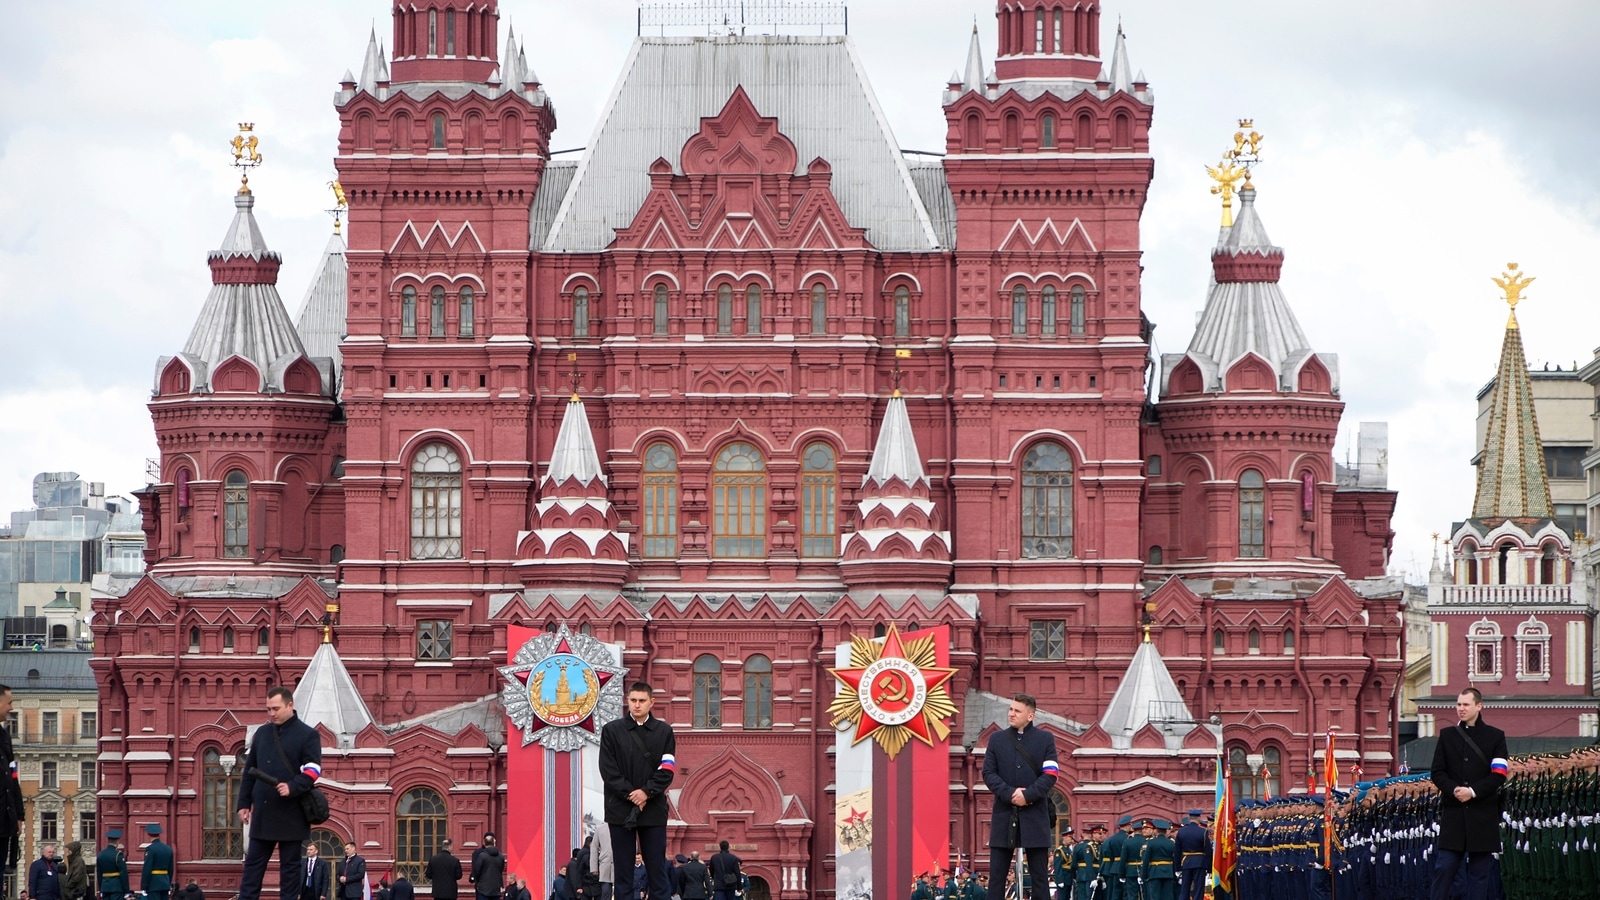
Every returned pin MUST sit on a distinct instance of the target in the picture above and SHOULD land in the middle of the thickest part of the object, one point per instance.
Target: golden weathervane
(1513, 283)
(1237, 161)
(245, 154)
(896, 373)
(340, 203)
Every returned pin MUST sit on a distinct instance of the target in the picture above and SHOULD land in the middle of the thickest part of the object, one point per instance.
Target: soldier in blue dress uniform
(1194, 856)
(156, 879)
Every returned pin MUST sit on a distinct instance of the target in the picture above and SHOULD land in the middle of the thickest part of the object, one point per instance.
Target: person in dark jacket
(694, 879)
(522, 889)
(1470, 762)
(11, 809)
(641, 878)
(558, 885)
(316, 877)
(1194, 856)
(190, 891)
(75, 877)
(488, 869)
(383, 892)
(575, 867)
(725, 873)
(636, 768)
(283, 764)
(350, 875)
(44, 876)
(444, 873)
(1019, 768)
(111, 868)
(402, 889)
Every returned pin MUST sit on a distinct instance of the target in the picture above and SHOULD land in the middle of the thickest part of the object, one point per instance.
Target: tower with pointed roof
(1511, 615)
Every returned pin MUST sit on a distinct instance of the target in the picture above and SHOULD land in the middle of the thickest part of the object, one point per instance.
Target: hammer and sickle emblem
(892, 688)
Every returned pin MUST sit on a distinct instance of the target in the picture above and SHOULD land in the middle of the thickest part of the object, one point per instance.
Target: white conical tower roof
(575, 455)
(974, 80)
(1147, 693)
(510, 71)
(1121, 69)
(327, 695)
(372, 66)
(895, 455)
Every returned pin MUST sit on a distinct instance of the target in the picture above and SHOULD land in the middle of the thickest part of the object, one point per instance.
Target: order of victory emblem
(561, 688)
(894, 691)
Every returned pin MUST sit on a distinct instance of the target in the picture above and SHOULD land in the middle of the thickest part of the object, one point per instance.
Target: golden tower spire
(1237, 161)
(245, 154)
(1513, 283)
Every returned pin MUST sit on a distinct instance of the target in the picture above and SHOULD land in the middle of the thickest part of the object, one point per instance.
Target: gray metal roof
(895, 454)
(327, 695)
(553, 185)
(974, 77)
(574, 455)
(1121, 71)
(934, 188)
(814, 86)
(46, 670)
(254, 587)
(320, 322)
(1147, 693)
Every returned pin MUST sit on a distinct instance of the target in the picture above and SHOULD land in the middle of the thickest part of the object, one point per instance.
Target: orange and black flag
(1224, 850)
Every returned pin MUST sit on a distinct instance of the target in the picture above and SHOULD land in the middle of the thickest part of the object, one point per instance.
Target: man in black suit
(352, 874)
(283, 764)
(636, 768)
(402, 889)
(694, 880)
(1470, 763)
(317, 878)
(444, 873)
(725, 873)
(1019, 768)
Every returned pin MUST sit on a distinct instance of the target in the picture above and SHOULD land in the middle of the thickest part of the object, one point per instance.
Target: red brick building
(655, 394)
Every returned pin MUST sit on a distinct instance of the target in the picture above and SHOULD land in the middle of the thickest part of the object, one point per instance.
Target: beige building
(1585, 548)
(54, 730)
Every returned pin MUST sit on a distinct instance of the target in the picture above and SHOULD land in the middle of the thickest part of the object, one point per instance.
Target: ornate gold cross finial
(340, 203)
(896, 373)
(576, 376)
(245, 154)
(1513, 283)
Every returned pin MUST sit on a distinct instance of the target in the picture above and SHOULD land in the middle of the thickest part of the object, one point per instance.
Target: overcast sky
(1412, 150)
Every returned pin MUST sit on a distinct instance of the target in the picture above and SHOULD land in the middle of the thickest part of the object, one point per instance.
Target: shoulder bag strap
(282, 755)
(1472, 743)
(1017, 740)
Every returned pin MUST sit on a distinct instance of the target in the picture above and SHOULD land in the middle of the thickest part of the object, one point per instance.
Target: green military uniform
(156, 880)
(1062, 870)
(922, 891)
(1133, 866)
(1155, 859)
(1086, 866)
(111, 867)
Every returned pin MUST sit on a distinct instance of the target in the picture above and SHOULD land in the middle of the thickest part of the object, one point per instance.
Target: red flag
(1331, 765)
(1224, 852)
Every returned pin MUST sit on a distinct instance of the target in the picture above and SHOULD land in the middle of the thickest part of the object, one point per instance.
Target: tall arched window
(420, 824)
(1122, 131)
(330, 845)
(1013, 132)
(818, 499)
(752, 309)
(436, 311)
(220, 835)
(436, 503)
(1547, 565)
(450, 32)
(467, 302)
(659, 318)
(758, 692)
(819, 309)
(725, 309)
(1079, 315)
(1047, 502)
(408, 311)
(1058, 800)
(438, 131)
(1038, 30)
(433, 32)
(236, 515)
(1047, 132)
(739, 503)
(1047, 310)
(1019, 310)
(580, 312)
(1252, 515)
(902, 311)
(974, 132)
(1083, 135)
(1271, 772)
(1244, 782)
(708, 692)
(660, 502)
(1253, 640)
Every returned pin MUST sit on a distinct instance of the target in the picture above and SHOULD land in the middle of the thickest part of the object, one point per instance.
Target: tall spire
(1121, 69)
(974, 77)
(373, 69)
(1512, 482)
(510, 62)
(895, 455)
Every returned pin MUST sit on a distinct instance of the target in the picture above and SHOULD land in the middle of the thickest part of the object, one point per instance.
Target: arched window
(1288, 640)
(1155, 555)
(1122, 131)
(1252, 515)
(1047, 502)
(752, 309)
(436, 503)
(436, 312)
(1244, 782)
(1057, 45)
(433, 32)
(329, 845)
(1047, 310)
(467, 301)
(1271, 772)
(580, 312)
(1219, 641)
(408, 311)
(708, 692)
(1038, 30)
(420, 824)
(659, 316)
(739, 503)
(1254, 638)
(438, 131)
(1079, 315)
(1019, 310)
(1083, 136)
(1013, 132)
(194, 640)
(819, 309)
(263, 639)
(182, 482)
(450, 32)
(974, 132)
(1058, 800)
(220, 836)
(1547, 565)
(236, 515)
(902, 311)
(758, 692)
(818, 499)
(1047, 132)
(725, 309)
(660, 502)
(1503, 563)
(227, 639)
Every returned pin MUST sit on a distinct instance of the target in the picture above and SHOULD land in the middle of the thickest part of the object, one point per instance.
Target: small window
(227, 639)
(659, 312)
(1288, 640)
(49, 777)
(194, 640)
(408, 311)
(1048, 311)
(1047, 639)
(1019, 310)
(436, 312)
(434, 639)
(336, 552)
(438, 131)
(752, 308)
(1255, 640)
(1047, 132)
(49, 722)
(902, 312)
(49, 825)
(1152, 464)
(1219, 641)
(1079, 314)
(89, 724)
(819, 309)
(725, 310)
(708, 692)
(263, 639)
(86, 776)
(1155, 556)
(580, 312)
(88, 830)
(468, 301)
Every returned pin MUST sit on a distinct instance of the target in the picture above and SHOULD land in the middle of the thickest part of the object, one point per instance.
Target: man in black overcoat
(1019, 767)
(283, 763)
(444, 873)
(694, 879)
(636, 768)
(350, 875)
(725, 873)
(1470, 762)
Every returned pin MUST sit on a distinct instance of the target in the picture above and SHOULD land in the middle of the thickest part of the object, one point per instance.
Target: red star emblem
(856, 817)
(892, 691)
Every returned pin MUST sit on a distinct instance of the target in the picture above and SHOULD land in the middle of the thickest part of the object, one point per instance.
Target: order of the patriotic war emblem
(561, 688)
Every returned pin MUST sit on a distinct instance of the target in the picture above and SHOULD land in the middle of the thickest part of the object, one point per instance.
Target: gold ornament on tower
(245, 154)
(1235, 166)
(1513, 283)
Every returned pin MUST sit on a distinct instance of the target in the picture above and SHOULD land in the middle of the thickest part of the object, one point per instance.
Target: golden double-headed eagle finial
(1226, 174)
(1513, 283)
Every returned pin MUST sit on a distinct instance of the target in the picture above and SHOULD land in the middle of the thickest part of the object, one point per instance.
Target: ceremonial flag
(1266, 783)
(1331, 769)
(1224, 853)
(1330, 763)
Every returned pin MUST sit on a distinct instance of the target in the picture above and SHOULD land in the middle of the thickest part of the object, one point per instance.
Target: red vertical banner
(529, 776)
